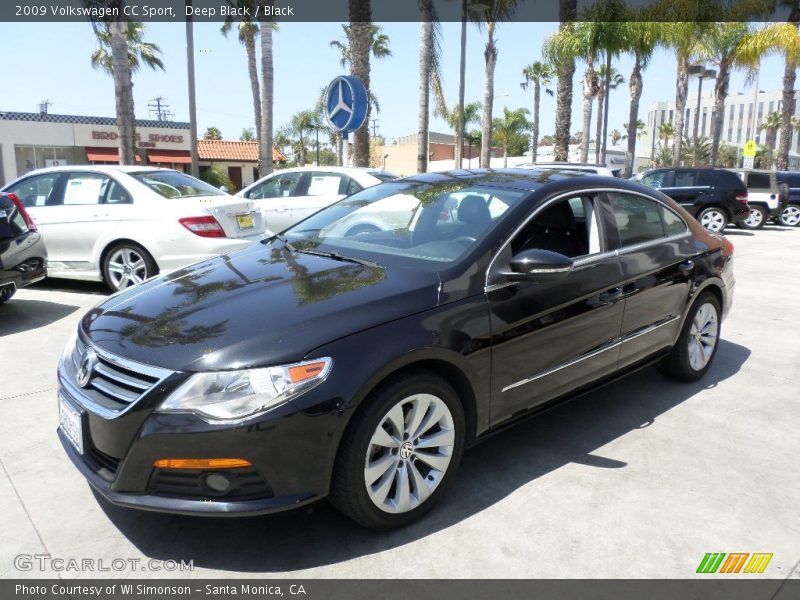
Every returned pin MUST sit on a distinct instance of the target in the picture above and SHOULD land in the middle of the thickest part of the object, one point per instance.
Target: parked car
(585, 167)
(23, 257)
(288, 196)
(766, 197)
(122, 225)
(715, 197)
(360, 368)
(791, 213)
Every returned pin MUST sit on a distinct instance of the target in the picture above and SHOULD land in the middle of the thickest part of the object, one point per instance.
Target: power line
(158, 108)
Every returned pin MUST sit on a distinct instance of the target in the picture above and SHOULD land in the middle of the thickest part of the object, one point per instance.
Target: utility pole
(459, 149)
(374, 127)
(158, 107)
(195, 170)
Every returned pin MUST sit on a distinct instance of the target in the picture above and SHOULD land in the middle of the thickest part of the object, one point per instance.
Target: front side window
(655, 180)
(36, 191)
(280, 185)
(640, 220)
(425, 226)
(569, 227)
(172, 184)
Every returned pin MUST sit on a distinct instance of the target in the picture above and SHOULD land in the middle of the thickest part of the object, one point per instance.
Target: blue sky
(52, 62)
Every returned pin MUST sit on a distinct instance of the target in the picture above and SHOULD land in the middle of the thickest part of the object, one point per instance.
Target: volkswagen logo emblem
(406, 450)
(85, 367)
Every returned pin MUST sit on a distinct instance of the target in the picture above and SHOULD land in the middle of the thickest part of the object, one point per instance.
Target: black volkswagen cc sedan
(359, 367)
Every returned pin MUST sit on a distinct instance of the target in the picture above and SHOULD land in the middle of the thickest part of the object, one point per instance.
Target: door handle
(686, 267)
(611, 296)
(282, 209)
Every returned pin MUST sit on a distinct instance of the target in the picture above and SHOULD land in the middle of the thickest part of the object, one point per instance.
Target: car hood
(263, 305)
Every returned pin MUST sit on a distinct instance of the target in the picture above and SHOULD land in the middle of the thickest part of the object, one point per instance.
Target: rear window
(172, 184)
(759, 180)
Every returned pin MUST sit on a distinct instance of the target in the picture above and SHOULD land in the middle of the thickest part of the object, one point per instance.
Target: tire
(713, 218)
(790, 217)
(381, 478)
(756, 219)
(6, 293)
(127, 264)
(692, 354)
(360, 229)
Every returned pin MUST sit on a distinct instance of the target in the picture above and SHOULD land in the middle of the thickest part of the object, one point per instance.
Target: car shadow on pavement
(303, 539)
(23, 314)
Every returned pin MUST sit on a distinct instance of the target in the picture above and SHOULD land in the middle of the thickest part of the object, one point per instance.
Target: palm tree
(514, 122)
(489, 17)
(303, 122)
(121, 51)
(267, 98)
(666, 132)
(641, 40)
(639, 130)
(248, 31)
(730, 46)
(565, 69)
(212, 133)
(772, 124)
(697, 151)
(615, 80)
(615, 137)
(379, 44)
(430, 78)
(537, 74)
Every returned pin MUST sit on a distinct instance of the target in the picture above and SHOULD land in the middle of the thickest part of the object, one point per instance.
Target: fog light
(202, 463)
(218, 483)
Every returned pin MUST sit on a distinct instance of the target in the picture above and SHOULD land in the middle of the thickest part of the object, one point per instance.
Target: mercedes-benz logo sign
(346, 103)
(85, 367)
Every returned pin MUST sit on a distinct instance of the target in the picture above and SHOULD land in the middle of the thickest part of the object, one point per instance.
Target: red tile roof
(233, 151)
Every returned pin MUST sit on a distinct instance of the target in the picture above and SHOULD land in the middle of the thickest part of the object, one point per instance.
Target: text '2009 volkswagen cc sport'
(359, 368)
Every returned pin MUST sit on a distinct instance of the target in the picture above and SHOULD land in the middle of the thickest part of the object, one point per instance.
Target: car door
(685, 188)
(553, 336)
(656, 250)
(274, 197)
(320, 189)
(41, 195)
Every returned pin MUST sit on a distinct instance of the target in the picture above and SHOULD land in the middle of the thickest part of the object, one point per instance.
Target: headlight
(234, 395)
(69, 347)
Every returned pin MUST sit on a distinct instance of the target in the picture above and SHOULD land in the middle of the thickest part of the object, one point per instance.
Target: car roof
(522, 179)
(97, 169)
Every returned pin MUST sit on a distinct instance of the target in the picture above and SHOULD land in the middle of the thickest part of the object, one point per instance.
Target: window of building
(38, 157)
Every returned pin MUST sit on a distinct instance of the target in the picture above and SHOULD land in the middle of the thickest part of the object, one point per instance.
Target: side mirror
(538, 265)
(223, 188)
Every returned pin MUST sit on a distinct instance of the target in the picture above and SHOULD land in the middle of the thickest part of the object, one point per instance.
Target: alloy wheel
(791, 216)
(754, 219)
(409, 453)
(713, 220)
(703, 336)
(126, 267)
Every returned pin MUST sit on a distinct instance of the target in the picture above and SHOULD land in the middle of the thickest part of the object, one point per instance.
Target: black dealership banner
(415, 589)
(393, 10)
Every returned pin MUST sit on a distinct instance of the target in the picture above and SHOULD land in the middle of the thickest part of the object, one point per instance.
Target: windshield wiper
(342, 257)
(281, 238)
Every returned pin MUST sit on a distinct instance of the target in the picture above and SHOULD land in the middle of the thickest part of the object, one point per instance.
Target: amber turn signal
(300, 373)
(202, 463)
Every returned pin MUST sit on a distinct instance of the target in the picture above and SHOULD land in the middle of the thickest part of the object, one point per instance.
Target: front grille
(115, 383)
(245, 484)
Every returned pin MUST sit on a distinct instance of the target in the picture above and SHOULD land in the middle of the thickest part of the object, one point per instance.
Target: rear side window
(673, 224)
(759, 180)
(720, 179)
(684, 179)
(641, 220)
(791, 179)
(85, 188)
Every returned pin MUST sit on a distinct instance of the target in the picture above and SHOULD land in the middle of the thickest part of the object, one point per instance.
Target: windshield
(173, 184)
(426, 226)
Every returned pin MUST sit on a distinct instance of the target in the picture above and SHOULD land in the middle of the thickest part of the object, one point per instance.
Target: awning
(183, 157)
(105, 155)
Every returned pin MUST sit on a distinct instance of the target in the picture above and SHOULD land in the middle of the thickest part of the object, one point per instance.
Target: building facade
(401, 157)
(237, 159)
(35, 140)
(737, 122)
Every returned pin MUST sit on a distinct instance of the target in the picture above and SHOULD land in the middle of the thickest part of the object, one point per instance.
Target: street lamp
(699, 70)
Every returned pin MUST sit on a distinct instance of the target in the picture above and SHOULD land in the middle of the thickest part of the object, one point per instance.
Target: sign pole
(345, 148)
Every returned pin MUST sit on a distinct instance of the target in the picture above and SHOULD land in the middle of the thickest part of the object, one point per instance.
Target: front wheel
(400, 452)
(714, 219)
(791, 215)
(697, 343)
(127, 264)
(6, 292)
(756, 219)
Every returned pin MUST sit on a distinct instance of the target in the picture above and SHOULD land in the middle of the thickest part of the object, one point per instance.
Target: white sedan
(288, 196)
(123, 225)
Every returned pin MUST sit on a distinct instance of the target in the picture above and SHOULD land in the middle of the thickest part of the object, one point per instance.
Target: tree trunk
(567, 11)
(123, 88)
(589, 92)
(720, 93)
(607, 85)
(787, 104)
(339, 149)
(267, 76)
(490, 54)
(425, 53)
(537, 89)
(255, 88)
(772, 137)
(681, 90)
(601, 94)
(505, 155)
(633, 114)
(360, 41)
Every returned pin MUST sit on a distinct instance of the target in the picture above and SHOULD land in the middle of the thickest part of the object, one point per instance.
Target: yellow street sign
(750, 148)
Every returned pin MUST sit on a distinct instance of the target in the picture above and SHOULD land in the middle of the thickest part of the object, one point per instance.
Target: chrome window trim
(589, 258)
(613, 344)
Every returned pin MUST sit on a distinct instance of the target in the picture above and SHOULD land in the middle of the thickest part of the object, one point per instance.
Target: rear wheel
(713, 218)
(6, 293)
(791, 215)
(127, 264)
(400, 452)
(696, 347)
(756, 219)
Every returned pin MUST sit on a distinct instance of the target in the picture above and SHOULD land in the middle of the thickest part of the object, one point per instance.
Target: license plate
(70, 422)
(245, 221)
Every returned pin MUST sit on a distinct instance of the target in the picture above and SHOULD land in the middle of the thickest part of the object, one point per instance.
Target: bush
(215, 176)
